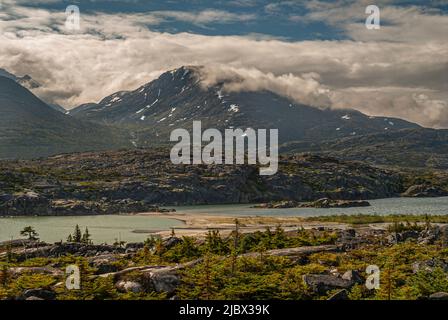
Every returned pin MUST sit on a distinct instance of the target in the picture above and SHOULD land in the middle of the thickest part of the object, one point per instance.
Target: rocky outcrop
(322, 283)
(328, 203)
(320, 203)
(35, 204)
(129, 286)
(426, 236)
(38, 294)
(296, 252)
(429, 265)
(340, 295)
(424, 191)
(439, 296)
(62, 249)
(25, 203)
(143, 178)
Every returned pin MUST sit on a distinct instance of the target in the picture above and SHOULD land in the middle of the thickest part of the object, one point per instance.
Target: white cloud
(385, 74)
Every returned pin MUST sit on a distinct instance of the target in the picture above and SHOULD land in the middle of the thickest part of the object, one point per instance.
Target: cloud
(388, 72)
(305, 88)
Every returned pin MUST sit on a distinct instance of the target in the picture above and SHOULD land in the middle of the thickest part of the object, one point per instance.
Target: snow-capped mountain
(177, 98)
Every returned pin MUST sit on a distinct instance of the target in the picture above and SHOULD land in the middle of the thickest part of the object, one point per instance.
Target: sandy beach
(198, 225)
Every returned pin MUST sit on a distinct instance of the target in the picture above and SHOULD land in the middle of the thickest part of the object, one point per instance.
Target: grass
(366, 219)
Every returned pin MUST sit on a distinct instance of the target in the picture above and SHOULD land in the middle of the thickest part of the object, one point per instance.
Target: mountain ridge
(30, 128)
(178, 97)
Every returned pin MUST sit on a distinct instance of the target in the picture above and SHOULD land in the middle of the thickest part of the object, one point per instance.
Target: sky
(316, 52)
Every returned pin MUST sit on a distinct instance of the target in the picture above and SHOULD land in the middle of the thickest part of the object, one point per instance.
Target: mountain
(177, 98)
(419, 147)
(30, 128)
(25, 81)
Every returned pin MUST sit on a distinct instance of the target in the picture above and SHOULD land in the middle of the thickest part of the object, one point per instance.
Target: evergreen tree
(69, 238)
(86, 237)
(77, 235)
(30, 233)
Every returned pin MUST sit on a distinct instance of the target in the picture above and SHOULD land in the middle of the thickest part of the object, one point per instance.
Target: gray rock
(129, 286)
(418, 191)
(104, 265)
(39, 293)
(439, 296)
(353, 276)
(171, 242)
(165, 282)
(340, 295)
(322, 283)
(33, 298)
(429, 265)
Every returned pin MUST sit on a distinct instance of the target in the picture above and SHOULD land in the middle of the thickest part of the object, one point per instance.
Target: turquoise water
(104, 229)
(433, 206)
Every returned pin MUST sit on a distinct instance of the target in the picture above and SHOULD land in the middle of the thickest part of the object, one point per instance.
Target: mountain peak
(26, 81)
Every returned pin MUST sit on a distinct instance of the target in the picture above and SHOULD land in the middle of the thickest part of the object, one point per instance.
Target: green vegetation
(30, 233)
(358, 219)
(79, 237)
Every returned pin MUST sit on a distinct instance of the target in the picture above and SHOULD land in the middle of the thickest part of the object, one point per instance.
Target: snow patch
(234, 108)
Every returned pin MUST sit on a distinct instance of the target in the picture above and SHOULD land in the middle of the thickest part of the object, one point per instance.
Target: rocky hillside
(421, 147)
(178, 97)
(30, 128)
(149, 176)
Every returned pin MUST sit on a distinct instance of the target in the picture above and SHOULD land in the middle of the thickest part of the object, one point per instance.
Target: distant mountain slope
(30, 128)
(419, 147)
(25, 81)
(177, 98)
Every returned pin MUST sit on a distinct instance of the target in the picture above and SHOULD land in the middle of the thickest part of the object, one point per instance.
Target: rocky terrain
(140, 179)
(320, 203)
(329, 264)
(34, 204)
(412, 148)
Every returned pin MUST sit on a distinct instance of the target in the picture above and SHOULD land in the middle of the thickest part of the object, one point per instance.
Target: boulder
(39, 293)
(171, 242)
(165, 281)
(340, 295)
(439, 296)
(429, 265)
(322, 283)
(353, 276)
(129, 286)
(104, 264)
(33, 298)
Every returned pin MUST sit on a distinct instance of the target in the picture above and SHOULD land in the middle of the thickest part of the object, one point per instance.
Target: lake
(108, 228)
(432, 206)
(104, 229)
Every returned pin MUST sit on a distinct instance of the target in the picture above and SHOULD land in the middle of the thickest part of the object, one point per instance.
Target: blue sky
(278, 19)
(316, 52)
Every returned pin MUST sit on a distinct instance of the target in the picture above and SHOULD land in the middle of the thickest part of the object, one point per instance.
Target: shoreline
(198, 225)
